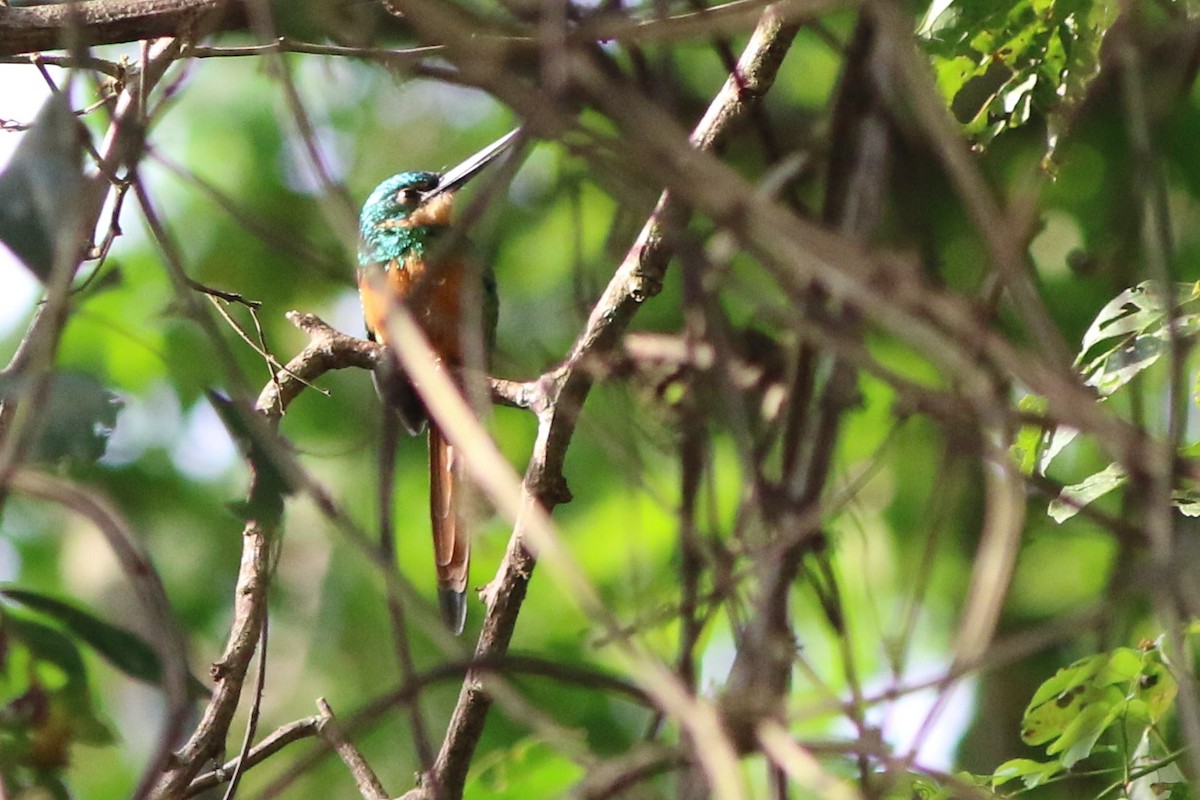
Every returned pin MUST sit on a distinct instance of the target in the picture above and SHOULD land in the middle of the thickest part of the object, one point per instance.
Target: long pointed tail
(451, 540)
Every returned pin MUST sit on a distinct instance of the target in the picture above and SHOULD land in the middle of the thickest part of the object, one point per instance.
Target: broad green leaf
(1056, 441)
(1059, 699)
(46, 644)
(16, 667)
(121, 648)
(1156, 685)
(1049, 51)
(1084, 729)
(1180, 790)
(1073, 709)
(1123, 364)
(1132, 311)
(530, 768)
(56, 670)
(1079, 495)
(1032, 773)
(40, 190)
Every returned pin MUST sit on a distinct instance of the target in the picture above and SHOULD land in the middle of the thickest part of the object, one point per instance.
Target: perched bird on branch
(406, 257)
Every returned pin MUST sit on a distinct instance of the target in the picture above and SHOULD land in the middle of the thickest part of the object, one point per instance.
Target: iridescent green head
(395, 220)
(405, 212)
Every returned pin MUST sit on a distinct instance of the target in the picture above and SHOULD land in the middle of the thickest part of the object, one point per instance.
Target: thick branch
(51, 27)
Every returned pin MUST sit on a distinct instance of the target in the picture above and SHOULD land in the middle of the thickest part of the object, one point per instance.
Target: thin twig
(364, 777)
(270, 745)
(260, 682)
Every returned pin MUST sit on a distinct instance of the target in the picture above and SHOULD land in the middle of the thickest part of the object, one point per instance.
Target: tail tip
(454, 609)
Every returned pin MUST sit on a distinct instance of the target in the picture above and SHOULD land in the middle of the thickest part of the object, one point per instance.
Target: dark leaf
(79, 417)
(121, 648)
(40, 190)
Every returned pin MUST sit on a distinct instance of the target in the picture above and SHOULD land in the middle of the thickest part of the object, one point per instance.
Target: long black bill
(456, 177)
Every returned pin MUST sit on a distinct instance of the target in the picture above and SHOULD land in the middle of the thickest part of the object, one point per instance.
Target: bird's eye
(408, 197)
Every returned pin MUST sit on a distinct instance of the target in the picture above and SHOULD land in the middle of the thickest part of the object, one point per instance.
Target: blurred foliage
(46, 705)
(232, 180)
(1000, 65)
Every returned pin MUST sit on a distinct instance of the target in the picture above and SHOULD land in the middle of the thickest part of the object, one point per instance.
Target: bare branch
(26, 30)
(273, 743)
(364, 777)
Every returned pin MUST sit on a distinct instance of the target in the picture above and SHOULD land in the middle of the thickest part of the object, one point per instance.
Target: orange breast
(432, 295)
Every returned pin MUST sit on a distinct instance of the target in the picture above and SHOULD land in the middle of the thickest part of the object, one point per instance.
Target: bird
(402, 260)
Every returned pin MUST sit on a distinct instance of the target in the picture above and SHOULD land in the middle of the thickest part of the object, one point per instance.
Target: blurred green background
(554, 242)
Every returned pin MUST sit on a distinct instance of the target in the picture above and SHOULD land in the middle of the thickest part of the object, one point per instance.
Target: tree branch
(364, 777)
(269, 746)
(50, 27)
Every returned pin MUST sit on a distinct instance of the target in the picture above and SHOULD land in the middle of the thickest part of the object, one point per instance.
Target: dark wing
(397, 393)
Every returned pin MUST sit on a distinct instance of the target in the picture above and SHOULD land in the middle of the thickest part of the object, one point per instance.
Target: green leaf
(1131, 311)
(1133, 325)
(1134, 310)
(79, 418)
(121, 648)
(1028, 443)
(1056, 441)
(1032, 773)
(1084, 729)
(47, 644)
(1124, 363)
(1079, 495)
(1180, 790)
(16, 666)
(1155, 685)
(530, 768)
(1073, 709)
(41, 188)
(1059, 699)
(1047, 50)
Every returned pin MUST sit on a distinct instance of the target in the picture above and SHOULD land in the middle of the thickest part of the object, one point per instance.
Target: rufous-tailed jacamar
(402, 231)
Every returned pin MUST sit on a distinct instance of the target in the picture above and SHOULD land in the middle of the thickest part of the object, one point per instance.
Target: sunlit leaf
(1080, 495)
(1188, 504)
(1134, 327)
(530, 768)
(1032, 773)
(1073, 709)
(1056, 442)
(1028, 443)
(1124, 363)
(1132, 311)
(16, 668)
(47, 644)
(1059, 699)
(1155, 685)
(1048, 52)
